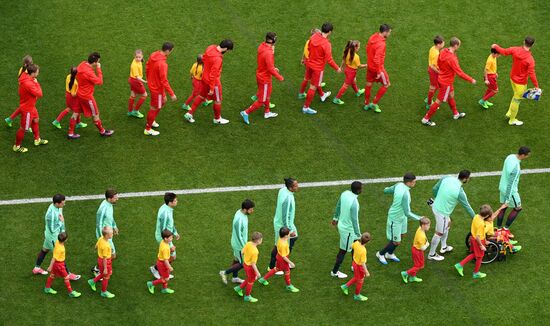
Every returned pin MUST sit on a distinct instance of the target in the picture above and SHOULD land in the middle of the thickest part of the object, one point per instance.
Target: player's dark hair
(27, 60)
(247, 204)
(408, 177)
(529, 41)
(110, 193)
(169, 197)
(93, 57)
(454, 41)
(350, 49)
(524, 150)
(464, 174)
(327, 28)
(271, 37)
(166, 233)
(32, 68)
(62, 237)
(167, 46)
(494, 51)
(356, 187)
(199, 59)
(289, 182)
(256, 236)
(73, 72)
(424, 221)
(485, 211)
(58, 198)
(226, 44)
(365, 237)
(438, 39)
(384, 28)
(283, 232)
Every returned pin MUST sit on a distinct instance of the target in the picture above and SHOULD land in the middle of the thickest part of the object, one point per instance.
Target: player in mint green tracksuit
(239, 237)
(285, 213)
(165, 221)
(508, 186)
(105, 217)
(448, 193)
(400, 210)
(54, 224)
(346, 218)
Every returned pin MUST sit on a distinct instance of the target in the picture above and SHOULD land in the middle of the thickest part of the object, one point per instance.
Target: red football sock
(431, 111)
(198, 100)
(68, 285)
(320, 91)
(131, 103)
(287, 278)
(165, 285)
(78, 119)
(478, 264)
(309, 97)
(253, 107)
(303, 86)
(98, 278)
(159, 281)
(355, 88)
(99, 126)
(270, 273)
(466, 260)
(452, 104)
(488, 94)
(367, 94)
(189, 99)
(266, 107)
(35, 130)
(151, 116)
(431, 93)
(15, 113)
(342, 90)
(249, 288)
(351, 282)
(358, 287)
(49, 282)
(380, 93)
(62, 114)
(104, 284)
(217, 110)
(19, 136)
(243, 284)
(140, 102)
(72, 124)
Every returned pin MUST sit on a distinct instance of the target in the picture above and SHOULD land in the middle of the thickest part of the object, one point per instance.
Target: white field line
(254, 188)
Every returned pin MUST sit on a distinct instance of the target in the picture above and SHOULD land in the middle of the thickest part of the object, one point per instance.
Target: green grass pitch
(341, 142)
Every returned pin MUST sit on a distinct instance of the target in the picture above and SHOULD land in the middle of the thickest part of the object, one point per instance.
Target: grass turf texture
(339, 143)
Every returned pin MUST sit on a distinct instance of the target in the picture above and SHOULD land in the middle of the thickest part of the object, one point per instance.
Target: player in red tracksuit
(156, 70)
(376, 73)
(29, 92)
(448, 68)
(87, 79)
(211, 83)
(320, 53)
(266, 69)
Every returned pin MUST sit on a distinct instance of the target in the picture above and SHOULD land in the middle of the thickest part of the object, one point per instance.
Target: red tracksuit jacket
(266, 64)
(156, 70)
(213, 60)
(29, 92)
(320, 53)
(376, 52)
(87, 79)
(449, 67)
(523, 65)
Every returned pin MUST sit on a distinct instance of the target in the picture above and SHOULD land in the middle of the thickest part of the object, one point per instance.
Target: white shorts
(441, 221)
